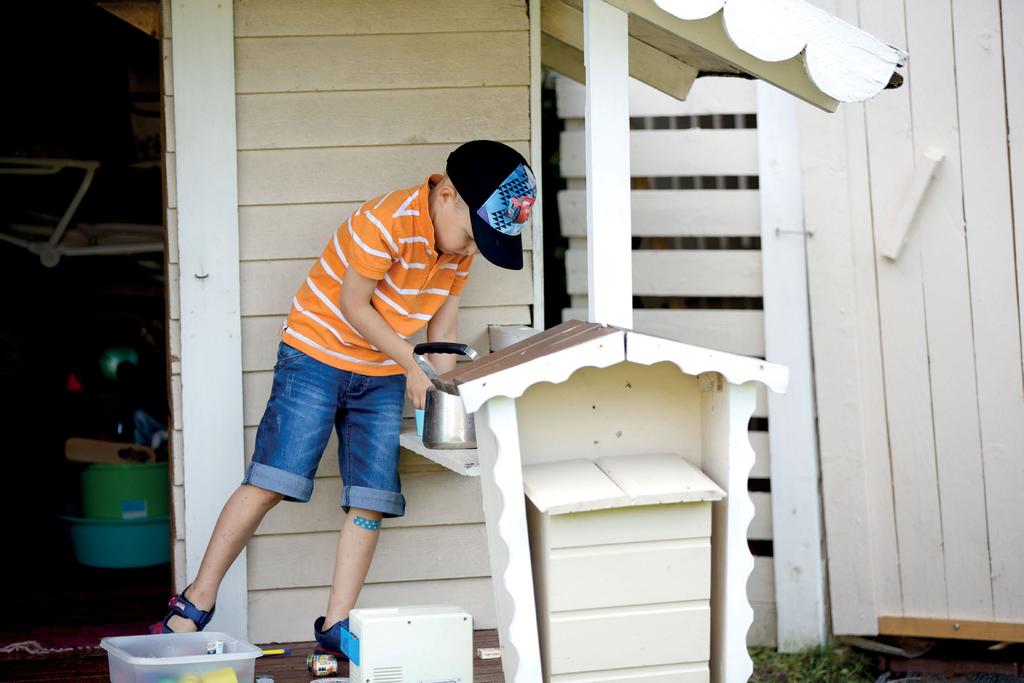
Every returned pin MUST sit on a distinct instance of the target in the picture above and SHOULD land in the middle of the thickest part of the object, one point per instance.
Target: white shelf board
(464, 461)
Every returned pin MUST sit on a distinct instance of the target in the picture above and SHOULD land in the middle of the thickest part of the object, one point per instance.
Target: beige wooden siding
(697, 272)
(338, 102)
(918, 359)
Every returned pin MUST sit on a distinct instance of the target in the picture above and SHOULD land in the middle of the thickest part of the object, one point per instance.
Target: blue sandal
(180, 606)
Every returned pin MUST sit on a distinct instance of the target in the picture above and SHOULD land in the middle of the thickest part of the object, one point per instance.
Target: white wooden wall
(338, 102)
(918, 359)
(690, 245)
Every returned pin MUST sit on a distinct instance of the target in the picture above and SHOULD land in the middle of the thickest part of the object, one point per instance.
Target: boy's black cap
(498, 185)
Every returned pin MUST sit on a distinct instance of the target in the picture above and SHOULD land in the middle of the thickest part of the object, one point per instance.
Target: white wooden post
(609, 235)
(727, 458)
(508, 542)
(211, 353)
(536, 161)
(796, 495)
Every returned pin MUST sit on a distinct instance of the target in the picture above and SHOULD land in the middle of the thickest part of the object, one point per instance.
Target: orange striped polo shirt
(390, 239)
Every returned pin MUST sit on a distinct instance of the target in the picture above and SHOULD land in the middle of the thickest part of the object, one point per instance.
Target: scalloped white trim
(846, 63)
(617, 348)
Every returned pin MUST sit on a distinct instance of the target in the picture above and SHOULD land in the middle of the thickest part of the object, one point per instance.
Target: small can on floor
(322, 664)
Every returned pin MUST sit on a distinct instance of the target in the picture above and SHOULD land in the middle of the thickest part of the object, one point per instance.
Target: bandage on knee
(364, 523)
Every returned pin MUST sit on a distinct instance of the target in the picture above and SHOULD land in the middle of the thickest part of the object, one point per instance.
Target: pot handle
(444, 347)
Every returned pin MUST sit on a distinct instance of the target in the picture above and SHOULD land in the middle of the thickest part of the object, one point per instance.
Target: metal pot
(446, 424)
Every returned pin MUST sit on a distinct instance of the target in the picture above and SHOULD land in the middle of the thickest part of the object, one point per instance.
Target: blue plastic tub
(121, 543)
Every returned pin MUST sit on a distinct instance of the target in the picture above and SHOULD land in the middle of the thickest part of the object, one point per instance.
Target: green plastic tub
(125, 490)
(121, 543)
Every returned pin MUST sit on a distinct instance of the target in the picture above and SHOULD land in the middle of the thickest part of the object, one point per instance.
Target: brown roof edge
(568, 334)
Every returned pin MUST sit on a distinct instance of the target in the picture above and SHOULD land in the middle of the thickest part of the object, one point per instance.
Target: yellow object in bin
(226, 675)
(189, 678)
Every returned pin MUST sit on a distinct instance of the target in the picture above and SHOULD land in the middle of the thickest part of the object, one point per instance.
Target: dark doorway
(83, 330)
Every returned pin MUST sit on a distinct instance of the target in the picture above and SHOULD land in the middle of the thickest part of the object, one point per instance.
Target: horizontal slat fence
(696, 258)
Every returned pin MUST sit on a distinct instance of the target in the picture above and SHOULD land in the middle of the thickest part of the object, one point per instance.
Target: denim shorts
(307, 400)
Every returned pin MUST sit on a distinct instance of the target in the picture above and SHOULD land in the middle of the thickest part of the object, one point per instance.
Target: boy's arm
(355, 304)
(444, 327)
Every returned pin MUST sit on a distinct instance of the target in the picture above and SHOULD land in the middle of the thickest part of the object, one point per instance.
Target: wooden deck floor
(90, 665)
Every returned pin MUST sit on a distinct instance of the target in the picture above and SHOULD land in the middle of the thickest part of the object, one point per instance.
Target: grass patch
(824, 664)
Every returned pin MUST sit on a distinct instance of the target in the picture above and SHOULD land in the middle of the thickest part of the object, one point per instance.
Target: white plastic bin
(177, 657)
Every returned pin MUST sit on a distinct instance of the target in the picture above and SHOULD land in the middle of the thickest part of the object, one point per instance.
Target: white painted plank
(365, 62)
(180, 578)
(658, 478)
(569, 486)
(381, 117)
(503, 336)
(695, 672)
(268, 286)
(629, 636)
(536, 228)
(171, 175)
(172, 235)
(563, 24)
(260, 333)
(761, 528)
(727, 459)
(177, 464)
(629, 574)
(990, 253)
(762, 455)
(329, 17)
(462, 461)
(606, 163)
(648, 523)
(174, 345)
(688, 152)
(211, 357)
(288, 231)
(882, 516)
(733, 331)
(763, 630)
(761, 590)
(168, 111)
(856, 480)
(673, 213)
(904, 343)
(628, 408)
(1013, 63)
(508, 542)
(709, 95)
(939, 229)
(432, 499)
(681, 273)
(838, 373)
(403, 554)
(178, 512)
(761, 585)
(796, 532)
(340, 174)
(287, 615)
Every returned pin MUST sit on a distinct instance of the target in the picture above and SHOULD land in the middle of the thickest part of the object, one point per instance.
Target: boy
(400, 261)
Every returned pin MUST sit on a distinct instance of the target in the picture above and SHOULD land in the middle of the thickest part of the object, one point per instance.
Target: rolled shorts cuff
(389, 503)
(292, 486)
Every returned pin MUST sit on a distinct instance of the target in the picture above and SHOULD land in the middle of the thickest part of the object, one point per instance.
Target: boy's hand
(416, 386)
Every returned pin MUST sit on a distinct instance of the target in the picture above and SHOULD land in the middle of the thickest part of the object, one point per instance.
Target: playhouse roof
(789, 43)
(553, 355)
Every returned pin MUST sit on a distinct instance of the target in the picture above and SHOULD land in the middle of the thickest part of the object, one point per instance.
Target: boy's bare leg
(237, 522)
(356, 544)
